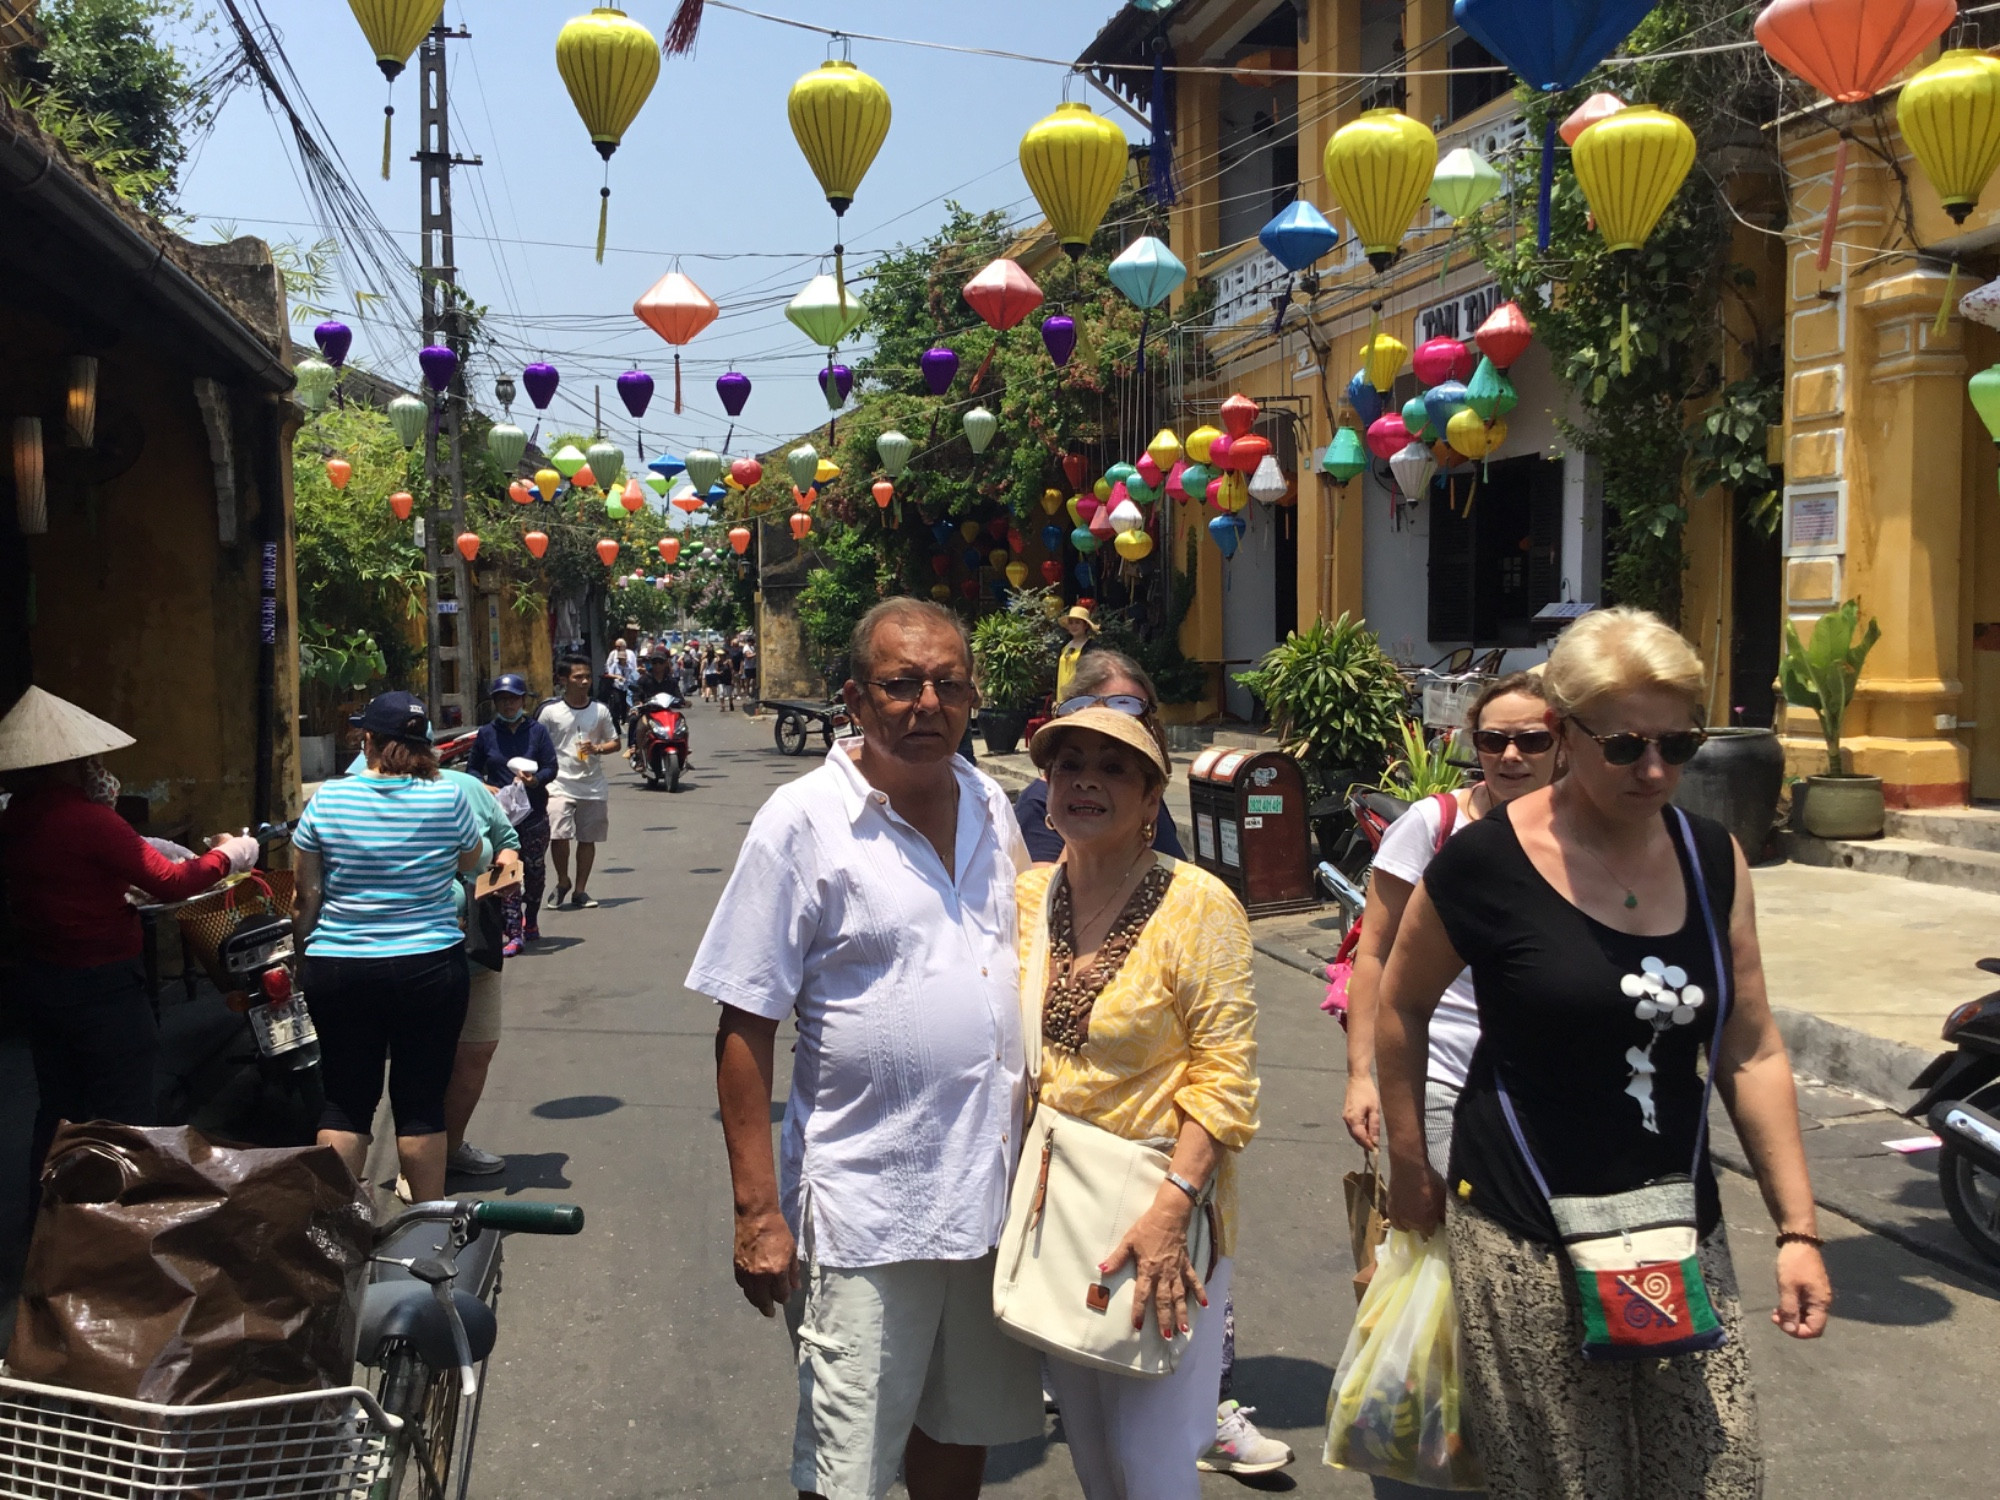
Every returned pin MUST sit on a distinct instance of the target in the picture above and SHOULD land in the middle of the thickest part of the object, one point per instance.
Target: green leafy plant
(1424, 768)
(1335, 698)
(1014, 649)
(1820, 675)
(341, 663)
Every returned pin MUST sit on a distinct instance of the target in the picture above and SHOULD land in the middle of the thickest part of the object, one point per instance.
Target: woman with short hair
(1613, 943)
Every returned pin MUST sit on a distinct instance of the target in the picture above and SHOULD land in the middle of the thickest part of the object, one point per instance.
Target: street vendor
(68, 861)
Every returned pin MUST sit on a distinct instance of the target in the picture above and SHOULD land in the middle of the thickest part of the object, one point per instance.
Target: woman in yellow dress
(1148, 1031)
(1081, 628)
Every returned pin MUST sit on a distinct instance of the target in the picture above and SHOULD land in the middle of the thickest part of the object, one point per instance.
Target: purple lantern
(940, 366)
(333, 338)
(1059, 337)
(734, 389)
(439, 363)
(635, 389)
(835, 381)
(541, 381)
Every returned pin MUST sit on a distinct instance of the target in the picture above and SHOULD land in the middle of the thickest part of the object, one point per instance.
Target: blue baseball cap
(395, 716)
(510, 682)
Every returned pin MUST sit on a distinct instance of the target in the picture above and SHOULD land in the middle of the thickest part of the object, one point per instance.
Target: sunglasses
(1124, 703)
(1527, 741)
(951, 691)
(1677, 746)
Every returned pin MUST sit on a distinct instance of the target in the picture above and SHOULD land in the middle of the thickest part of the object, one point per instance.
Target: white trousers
(1134, 1439)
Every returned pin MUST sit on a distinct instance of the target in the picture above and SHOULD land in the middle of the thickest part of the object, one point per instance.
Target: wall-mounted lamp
(31, 491)
(80, 410)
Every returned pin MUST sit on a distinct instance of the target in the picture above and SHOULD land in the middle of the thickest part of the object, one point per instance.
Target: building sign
(1814, 520)
(1457, 317)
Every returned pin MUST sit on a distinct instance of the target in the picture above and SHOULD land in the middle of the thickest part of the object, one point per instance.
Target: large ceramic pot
(1001, 728)
(1735, 779)
(1843, 807)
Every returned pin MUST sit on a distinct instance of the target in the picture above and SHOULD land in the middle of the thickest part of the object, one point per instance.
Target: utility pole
(453, 662)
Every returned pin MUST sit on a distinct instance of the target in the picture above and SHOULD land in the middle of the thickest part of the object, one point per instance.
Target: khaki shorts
(885, 1348)
(580, 820)
(482, 1008)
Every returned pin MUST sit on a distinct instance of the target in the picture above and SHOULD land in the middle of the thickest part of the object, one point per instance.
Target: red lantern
(521, 492)
(1504, 337)
(400, 503)
(537, 542)
(607, 552)
(1016, 543)
(739, 539)
(468, 545)
(884, 492)
(801, 525)
(1239, 415)
(1246, 452)
(969, 587)
(940, 565)
(583, 479)
(1387, 436)
(746, 471)
(997, 528)
(338, 472)
(1100, 524)
(1003, 294)
(1218, 450)
(670, 550)
(1073, 470)
(1051, 571)
(1442, 359)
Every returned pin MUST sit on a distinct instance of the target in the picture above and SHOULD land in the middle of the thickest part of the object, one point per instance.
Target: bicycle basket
(207, 920)
(58, 1444)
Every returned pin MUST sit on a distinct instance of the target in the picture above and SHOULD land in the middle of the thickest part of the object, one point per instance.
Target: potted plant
(1820, 675)
(1014, 650)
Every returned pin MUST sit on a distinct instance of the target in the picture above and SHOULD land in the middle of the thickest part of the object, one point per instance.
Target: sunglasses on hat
(1124, 703)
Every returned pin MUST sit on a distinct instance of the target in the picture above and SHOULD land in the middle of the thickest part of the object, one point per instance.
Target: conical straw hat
(43, 730)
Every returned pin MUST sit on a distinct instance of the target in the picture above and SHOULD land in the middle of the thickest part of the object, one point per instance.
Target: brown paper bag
(165, 1268)
(1367, 1223)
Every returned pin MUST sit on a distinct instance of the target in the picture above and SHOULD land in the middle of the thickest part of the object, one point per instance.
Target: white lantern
(1126, 516)
(1268, 484)
(1414, 468)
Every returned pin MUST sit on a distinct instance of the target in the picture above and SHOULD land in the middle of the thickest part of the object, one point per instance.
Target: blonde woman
(1613, 942)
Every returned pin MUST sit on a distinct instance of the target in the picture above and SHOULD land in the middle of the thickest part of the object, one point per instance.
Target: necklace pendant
(1631, 900)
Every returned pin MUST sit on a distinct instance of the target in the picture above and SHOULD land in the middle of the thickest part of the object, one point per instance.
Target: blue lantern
(1227, 532)
(1083, 579)
(1147, 272)
(1443, 401)
(1052, 537)
(667, 466)
(1364, 398)
(972, 559)
(1298, 235)
(942, 530)
(716, 494)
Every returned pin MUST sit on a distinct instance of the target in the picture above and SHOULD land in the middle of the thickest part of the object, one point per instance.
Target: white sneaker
(473, 1162)
(1239, 1447)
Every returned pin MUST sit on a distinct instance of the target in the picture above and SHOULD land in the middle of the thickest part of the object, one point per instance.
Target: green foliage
(1820, 675)
(1424, 768)
(111, 90)
(1015, 651)
(1730, 446)
(341, 663)
(851, 577)
(1335, 698)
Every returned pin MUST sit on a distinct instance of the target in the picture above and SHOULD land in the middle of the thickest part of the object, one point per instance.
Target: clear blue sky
(709, 172)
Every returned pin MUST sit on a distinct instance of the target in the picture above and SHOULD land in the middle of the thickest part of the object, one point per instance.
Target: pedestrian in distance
(873, 902)
(68, 860)
(580, 804)
(711, 674)
(1148, 1031)
(725, 679)
(1612, 940)
(384, 971)
(510, 736)
(1082, 637)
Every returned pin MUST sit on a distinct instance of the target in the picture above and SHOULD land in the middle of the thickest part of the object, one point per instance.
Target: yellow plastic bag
(1395, 1408)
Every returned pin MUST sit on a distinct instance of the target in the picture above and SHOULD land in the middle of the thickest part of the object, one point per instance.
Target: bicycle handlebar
(529, 1218)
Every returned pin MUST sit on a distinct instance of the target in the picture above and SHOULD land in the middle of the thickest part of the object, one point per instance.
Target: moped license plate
(283, 1028)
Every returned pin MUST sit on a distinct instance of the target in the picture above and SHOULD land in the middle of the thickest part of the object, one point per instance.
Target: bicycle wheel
(428, 1401)
(790, 733)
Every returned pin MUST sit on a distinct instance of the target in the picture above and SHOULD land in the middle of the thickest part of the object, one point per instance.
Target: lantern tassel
(730, 438)
(985, 364)
(388, 121)
(1548, 182)
(1624, 338)
(603, 217)
(1145, 322)
(1944, 307)
(682, 29)
(1832, 225)
(677, 386)
(1160, 155)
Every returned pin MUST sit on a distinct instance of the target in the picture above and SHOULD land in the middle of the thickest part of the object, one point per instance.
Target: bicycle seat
(406, 1310)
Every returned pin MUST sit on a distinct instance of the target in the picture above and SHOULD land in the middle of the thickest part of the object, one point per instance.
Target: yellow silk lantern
(609, 63)
(394, 28)
(1467, 434)
(1379, 168)
(1051, 501)
(825, 472)
(840, 117)
(1165, 449)
(1233, 493)
(1383, 361)
(1074, 161)
(997, 559)
(1630, 165)
(1197, 443)
(1017, 573)
(1950, 115)
(1133, 546)
(969, 530)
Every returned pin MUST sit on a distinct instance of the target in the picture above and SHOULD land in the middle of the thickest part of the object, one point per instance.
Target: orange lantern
(583, 479)
(670, 550)
(634, 498)
(400, 503)
(687, 503)
(801, 524)
(338, 472)
(537, 542)
(607, 552)
(468, 545)
(803, 499)
(676, 309)
(884, 493)
(739, 539)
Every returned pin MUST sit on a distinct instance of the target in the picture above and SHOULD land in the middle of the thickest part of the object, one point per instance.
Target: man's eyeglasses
(952, 692)
(1124, 703)
(1527, 741)
(1677, 746)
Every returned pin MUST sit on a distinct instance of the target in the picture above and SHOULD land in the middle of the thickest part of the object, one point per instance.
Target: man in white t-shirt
(580, 800)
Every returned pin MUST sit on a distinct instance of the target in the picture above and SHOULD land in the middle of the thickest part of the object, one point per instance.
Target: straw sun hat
(1109, 722)
(44, 730)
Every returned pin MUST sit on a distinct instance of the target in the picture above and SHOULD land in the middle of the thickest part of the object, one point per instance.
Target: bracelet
(1193, 1192)
(1792, 1237)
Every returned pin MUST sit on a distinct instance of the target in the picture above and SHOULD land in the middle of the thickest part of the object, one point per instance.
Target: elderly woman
(1613, 942)
(1148, 1030)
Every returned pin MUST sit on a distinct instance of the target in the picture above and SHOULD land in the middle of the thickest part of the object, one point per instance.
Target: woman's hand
(1416, 1200)
(1362, 1112)
(1163, 1276)
(1805, 1292)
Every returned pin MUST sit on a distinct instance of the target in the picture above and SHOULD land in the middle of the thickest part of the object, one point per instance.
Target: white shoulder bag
(1077, 1190)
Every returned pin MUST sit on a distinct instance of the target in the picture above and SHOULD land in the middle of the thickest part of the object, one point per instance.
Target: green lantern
(1490, 393)
(567, 459)
(1120, 473)
(980, 425)
(1464, 183)
(803, 464)
(703, 469)
(506, 443)
(1984, 389)
(315, 379)
(1417, 421)
(614, 509)
(826, 312)
(607, 462)
(657, 484)
(1345, 457)
(895, 450)
(408, 416)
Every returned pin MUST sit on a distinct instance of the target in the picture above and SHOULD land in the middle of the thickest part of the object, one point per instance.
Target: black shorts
(406, 1011)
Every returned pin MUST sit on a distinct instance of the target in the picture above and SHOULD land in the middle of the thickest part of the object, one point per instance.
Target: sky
(709, 173)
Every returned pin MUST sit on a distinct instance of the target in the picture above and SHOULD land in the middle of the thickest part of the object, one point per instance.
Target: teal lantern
(1120, 474)
(980, 425)
(506, 443)
(408, 416)
(1490, 393)
(1418, 421)
(895, 450)
(803, 465)
(1147, 272)
(607, 462)
(1345, 456)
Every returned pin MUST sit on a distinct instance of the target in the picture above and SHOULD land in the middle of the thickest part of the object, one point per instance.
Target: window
(1469, 91)
(1495, 551)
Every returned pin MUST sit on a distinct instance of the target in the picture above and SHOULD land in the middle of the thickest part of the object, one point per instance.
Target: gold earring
(1146, 834)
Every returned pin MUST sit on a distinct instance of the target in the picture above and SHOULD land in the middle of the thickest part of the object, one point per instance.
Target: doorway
(1756, 614)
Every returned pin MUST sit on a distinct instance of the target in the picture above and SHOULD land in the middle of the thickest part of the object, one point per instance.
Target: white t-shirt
(579, 778)
(1405, 853)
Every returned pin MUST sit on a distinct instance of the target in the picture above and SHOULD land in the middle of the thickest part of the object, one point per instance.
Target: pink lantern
(1174, 486)
(1442, 359)
(1585, 115)
(1002, 294)
(1218, 451)
(1149, 472)
(1387, 436)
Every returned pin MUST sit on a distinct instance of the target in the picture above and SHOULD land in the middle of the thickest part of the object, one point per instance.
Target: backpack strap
(1447, 818)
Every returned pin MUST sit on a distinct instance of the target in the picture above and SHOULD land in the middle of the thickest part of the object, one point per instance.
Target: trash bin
(1250, 827)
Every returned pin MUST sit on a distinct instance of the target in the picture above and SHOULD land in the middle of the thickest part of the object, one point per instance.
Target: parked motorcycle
(660, 751)
(1961, 1102)
(454, 745)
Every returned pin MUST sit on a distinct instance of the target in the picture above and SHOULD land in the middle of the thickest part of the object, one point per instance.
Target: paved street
(629, 1366)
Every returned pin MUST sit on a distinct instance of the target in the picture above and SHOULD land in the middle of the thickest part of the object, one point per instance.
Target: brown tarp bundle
(165, 1268)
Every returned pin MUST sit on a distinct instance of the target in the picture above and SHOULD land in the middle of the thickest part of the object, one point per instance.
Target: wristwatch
(1193, 1192)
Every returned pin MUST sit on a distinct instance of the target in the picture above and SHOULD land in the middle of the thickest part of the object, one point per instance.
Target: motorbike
(454, 745)
(660, 748)
(1961, 1103)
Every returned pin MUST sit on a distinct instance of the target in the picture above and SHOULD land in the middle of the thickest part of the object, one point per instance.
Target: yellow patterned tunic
(1173, 1035)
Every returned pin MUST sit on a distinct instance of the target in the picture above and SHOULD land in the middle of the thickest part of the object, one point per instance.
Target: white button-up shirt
(908, 1079)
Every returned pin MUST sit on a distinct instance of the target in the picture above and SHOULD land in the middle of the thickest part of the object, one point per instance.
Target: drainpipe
(270, 534)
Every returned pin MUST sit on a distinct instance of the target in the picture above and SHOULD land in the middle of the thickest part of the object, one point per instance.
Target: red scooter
(660, 744)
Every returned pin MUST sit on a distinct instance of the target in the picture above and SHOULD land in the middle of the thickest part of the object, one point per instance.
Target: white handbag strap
(1035, 983)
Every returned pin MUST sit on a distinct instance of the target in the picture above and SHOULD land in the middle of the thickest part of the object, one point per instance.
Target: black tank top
(1597, 1033)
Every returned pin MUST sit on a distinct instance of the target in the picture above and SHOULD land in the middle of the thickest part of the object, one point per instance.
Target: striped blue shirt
(390, 847)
